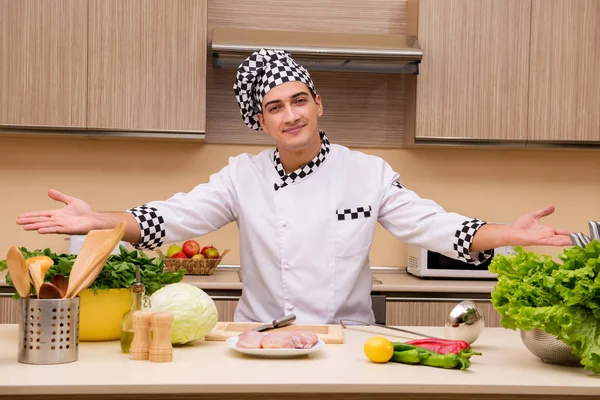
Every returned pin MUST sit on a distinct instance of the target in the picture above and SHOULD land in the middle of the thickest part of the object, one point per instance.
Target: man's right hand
(76, 218)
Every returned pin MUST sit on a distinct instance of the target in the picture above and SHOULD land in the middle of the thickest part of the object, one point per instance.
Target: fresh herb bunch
(534, 291)
(118, 271)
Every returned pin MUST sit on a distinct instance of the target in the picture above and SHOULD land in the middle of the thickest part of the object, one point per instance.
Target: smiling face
(290, 115)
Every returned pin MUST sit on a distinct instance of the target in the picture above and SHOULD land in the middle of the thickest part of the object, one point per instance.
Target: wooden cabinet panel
(43, 63)
(360, 109)
(226, 309)
(147, 65)
(432, 313)
(564, 101)
(9, 311)
(473, 80)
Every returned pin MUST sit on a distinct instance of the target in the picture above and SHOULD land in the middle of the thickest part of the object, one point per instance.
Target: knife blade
(277, 323)
(594, 229)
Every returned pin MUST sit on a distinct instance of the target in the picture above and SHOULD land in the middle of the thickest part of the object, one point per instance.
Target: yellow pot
(100, 313)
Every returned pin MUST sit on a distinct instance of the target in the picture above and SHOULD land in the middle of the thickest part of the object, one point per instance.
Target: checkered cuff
(152, 227)
(463, 240)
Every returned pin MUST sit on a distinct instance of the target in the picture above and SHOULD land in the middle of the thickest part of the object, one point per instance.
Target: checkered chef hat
(261, 72)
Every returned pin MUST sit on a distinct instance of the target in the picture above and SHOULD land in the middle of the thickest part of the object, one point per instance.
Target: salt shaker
(140, 345)
(161, 349)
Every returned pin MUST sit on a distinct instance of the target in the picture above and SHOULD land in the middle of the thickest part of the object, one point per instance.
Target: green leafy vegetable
(194, 312)
(118, 272)
(562, 299)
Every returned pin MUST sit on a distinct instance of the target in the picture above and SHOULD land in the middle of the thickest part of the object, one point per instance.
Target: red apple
(204, 249)
(190, 248)
(211, 252)
(179, 255)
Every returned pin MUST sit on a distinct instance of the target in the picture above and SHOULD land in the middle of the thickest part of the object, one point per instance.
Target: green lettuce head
(562, 299)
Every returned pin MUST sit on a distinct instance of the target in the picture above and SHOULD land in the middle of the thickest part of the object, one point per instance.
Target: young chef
(306, 210)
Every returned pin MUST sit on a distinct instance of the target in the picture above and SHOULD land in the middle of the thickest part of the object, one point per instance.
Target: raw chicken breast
(289, 340)
(250, 340)
(305, 340)
(278, 340)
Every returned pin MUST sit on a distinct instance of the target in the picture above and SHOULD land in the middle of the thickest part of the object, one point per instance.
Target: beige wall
(495, 185)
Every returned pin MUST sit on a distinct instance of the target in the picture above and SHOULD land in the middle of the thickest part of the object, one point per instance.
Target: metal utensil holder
(49, 331)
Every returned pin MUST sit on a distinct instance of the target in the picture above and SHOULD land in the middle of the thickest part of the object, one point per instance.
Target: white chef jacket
(305, 236)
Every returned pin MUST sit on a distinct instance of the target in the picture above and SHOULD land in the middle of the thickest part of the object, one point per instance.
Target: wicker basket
(203, 266)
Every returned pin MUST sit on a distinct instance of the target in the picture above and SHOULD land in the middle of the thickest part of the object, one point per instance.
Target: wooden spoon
(37, 276)
(92, 256)
(49, 291)
(60, 282)
(18, 271)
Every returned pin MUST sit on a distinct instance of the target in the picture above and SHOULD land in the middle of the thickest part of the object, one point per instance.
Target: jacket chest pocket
(354, 228)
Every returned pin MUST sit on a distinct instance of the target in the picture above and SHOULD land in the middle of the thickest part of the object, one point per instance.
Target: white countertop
(211, 367)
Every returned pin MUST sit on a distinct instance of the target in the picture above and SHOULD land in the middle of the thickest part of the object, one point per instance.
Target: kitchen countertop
(505, 367)
(392, 280)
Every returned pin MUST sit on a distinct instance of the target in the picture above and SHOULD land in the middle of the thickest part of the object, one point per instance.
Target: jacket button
(286, 266)
(284, 224)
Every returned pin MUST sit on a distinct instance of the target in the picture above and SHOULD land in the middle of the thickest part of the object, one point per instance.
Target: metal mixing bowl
(548, 347)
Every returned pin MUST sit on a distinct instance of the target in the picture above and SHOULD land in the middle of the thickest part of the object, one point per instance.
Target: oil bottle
(137, 296)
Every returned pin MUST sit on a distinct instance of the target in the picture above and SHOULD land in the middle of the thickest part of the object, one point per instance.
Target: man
(306, 210)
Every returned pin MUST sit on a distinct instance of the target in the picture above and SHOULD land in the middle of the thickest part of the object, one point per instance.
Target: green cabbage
(194, 312)
(562, 299)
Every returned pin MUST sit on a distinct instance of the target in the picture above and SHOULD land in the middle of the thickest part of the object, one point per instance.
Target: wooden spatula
(18, 271)
(92, 256)
(37, 273)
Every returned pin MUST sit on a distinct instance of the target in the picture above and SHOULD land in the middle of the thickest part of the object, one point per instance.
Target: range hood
(399, 54)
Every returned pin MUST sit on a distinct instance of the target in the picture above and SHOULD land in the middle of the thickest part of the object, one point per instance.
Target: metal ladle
(465, 322)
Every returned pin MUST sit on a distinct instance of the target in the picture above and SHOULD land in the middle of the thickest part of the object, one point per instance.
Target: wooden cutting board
(333, 334)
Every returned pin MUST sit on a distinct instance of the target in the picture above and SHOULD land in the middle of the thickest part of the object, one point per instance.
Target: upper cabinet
(43, 63)
(106, 67)
(147, 65)
(474, 75)
(564, 85)
(519, 71)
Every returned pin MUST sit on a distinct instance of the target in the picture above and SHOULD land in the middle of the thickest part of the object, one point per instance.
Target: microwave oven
(429, 264)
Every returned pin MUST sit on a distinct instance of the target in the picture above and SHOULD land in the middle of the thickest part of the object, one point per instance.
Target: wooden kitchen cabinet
(432, 313)
(564, 84)
(147, 65)
(473, 82)
(226, 309)
(9, 310)
(43, 63)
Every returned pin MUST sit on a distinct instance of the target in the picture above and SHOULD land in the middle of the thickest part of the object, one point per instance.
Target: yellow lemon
(378, 349)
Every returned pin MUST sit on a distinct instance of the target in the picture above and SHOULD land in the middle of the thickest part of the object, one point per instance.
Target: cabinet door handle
(225, 297)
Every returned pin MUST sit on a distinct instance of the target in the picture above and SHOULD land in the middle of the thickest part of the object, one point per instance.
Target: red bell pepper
(445, 346)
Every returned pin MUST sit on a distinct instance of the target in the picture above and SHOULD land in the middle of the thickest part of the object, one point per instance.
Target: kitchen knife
(594, 229)
(580, 239)
(277, 323)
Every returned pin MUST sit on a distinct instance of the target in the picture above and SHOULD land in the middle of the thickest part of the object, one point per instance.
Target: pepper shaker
(140, 345)
(161, 349)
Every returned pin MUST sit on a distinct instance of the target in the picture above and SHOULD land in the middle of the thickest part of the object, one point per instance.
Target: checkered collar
(302, 172)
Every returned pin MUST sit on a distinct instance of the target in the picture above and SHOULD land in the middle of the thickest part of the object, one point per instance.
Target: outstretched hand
(76, 217)
(531, 232)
